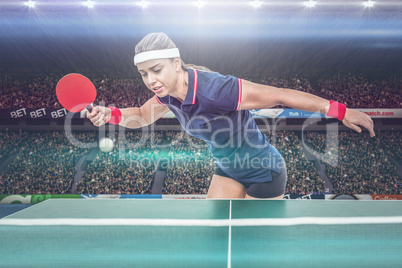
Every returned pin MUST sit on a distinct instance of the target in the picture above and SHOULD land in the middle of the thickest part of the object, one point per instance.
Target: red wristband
(115, 116)
(336, 110)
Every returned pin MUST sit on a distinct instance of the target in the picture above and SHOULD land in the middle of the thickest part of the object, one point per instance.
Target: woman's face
(159, 75)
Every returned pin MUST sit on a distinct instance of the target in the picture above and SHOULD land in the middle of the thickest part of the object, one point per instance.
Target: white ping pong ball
(106, 145)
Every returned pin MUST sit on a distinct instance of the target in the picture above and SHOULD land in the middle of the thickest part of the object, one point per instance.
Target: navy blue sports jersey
(211, 112)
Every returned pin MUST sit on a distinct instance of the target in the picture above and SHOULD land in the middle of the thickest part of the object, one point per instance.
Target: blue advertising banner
(284, 113)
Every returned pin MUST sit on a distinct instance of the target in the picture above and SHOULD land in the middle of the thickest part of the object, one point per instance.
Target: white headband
(156, 54)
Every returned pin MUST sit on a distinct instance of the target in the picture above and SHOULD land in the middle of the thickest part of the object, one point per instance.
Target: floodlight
(200, 4)
(368, 3)
(30, 4)
(255, 4)
(143, 4)
(89, 4)
(310, 3)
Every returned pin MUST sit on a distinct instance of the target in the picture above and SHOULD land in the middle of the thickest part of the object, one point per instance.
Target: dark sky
(283, 38)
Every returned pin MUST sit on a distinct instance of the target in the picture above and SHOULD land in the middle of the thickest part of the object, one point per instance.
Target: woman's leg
(224, 187)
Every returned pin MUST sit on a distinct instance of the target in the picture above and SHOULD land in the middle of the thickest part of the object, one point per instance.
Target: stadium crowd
(353, 90)
(10, 143)
(356, 91)
(302, 175)
(128, 169)
(355, 163)
(40, 92)
(191, 165)
(391, 142)
(45, 163)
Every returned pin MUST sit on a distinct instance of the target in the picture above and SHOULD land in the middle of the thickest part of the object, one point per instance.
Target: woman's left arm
(257, 96)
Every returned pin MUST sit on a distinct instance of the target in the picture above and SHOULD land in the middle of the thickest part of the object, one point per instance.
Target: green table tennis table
(203, 233)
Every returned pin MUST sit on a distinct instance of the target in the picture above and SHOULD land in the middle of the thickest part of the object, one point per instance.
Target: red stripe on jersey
(195, 85)
(240, 91)
(156, 97)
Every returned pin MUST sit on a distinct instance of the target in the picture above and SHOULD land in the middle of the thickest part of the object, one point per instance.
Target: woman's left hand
(353, 118)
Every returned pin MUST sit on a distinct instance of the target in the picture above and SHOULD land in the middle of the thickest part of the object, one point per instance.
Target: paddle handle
(89, 108)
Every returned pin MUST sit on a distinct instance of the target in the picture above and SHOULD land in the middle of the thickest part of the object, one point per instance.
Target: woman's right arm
(133, 117)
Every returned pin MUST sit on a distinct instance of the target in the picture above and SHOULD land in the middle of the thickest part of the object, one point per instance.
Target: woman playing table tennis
(215, 108)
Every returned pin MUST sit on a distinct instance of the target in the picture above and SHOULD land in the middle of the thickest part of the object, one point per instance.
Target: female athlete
(215, 108)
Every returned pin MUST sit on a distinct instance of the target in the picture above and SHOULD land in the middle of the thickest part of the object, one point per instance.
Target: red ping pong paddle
(76, 92)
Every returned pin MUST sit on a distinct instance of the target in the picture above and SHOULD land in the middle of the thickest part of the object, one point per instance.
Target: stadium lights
(256, 4)
(200, 4)
(368, 3)
(143, 3)
(30, 4)
(310, 3)
(89, 4)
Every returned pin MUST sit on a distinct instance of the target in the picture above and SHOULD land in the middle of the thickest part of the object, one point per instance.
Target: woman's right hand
(100, 115)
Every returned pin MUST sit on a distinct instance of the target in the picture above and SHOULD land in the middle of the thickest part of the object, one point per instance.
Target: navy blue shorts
(270, 189)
